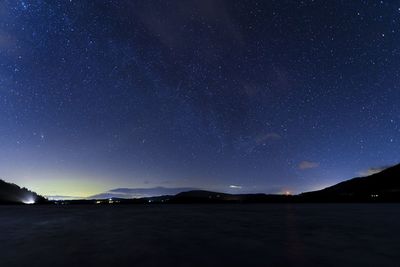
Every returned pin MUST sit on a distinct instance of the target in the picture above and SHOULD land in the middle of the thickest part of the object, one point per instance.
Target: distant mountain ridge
(141, 192)
(13, 194)
(380, 187)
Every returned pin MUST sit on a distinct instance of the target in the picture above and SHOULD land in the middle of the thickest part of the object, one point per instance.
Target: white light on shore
(29, 201)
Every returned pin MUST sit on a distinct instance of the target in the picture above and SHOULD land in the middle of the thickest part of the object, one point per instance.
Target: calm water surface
(201, 235)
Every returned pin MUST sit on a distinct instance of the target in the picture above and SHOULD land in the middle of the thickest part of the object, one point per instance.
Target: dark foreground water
(201, 235)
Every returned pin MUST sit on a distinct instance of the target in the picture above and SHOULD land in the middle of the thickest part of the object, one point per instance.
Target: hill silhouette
(203, 196)
(13, 194)
(382, 186)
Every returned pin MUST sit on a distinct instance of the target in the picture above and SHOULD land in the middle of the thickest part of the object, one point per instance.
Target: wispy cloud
(372, 170)
(58, 197)
(305, 165)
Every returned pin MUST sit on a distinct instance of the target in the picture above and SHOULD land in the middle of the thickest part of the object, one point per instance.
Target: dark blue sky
(235, 96)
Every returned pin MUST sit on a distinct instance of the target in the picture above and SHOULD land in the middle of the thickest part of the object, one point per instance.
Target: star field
(235, 96)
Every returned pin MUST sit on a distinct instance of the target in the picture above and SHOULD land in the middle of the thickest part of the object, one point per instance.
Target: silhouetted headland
(380, 187)
(13, 194)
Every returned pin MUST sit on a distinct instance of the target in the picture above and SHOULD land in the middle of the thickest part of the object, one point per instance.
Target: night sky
(233, 96)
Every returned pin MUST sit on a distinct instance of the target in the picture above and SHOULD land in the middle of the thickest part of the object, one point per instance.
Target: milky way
(235, 96)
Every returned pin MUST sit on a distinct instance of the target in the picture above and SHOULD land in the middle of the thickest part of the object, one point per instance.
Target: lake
(201, 235)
